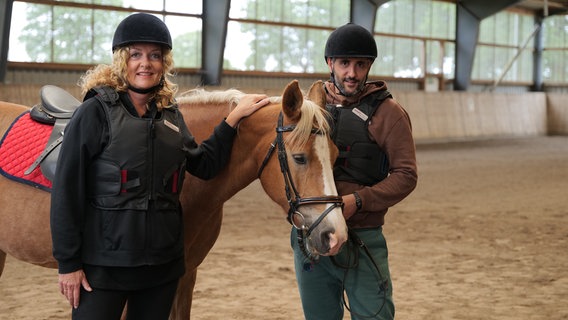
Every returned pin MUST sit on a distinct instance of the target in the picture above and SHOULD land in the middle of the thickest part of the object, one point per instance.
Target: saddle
(56, 108)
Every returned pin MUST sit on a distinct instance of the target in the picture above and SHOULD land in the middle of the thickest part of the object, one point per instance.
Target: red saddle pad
(20, 147)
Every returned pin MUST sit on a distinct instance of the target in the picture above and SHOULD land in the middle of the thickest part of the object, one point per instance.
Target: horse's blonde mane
(202, 96)
(313, 116)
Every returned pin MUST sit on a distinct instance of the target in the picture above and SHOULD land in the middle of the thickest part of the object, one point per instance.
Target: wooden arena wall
(436, 116)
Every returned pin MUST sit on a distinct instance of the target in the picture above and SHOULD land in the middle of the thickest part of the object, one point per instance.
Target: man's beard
(339, 85)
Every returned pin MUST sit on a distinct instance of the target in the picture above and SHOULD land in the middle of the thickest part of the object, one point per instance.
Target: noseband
(292, 194)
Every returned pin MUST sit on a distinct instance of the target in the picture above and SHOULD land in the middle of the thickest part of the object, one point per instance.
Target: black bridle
(292, 194)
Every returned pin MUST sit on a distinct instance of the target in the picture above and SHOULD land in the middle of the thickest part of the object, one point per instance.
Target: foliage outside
(415, 38)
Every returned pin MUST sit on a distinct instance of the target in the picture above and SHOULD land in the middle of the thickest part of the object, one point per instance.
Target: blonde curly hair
(114, 76)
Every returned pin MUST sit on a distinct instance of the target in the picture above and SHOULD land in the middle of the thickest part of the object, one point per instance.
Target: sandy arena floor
(484, 236)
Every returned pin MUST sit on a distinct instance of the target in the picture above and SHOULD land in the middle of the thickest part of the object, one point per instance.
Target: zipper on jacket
(151, 189)
(150, 160)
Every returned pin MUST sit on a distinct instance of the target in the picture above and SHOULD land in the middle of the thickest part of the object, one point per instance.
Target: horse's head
(287, 145)
(295, 167)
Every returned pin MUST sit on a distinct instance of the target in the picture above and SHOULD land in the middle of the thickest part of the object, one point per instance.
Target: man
(376, 169)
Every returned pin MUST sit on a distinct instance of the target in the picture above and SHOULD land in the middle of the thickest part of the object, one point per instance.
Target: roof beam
(364, 12)
(482, 9)
(215, 24)
(5, 22)
(469, 14)
(537, 56)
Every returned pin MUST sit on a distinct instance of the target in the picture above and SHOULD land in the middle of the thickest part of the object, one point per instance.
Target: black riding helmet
(141, 27)
(351, 40)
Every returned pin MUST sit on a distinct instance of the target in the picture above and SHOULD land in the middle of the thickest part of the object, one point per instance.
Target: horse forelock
(313, 117)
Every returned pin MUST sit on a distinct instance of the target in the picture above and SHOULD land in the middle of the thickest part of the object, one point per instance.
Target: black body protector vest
(143, 160)
(360, 159)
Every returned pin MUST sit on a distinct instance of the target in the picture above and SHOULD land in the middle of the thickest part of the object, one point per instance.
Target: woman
(116, 221)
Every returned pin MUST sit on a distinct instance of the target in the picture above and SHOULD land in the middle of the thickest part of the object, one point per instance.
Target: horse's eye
(299, 158)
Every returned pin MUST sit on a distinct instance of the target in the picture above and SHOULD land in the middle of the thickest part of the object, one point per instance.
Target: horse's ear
(316, 93)
(292, 100)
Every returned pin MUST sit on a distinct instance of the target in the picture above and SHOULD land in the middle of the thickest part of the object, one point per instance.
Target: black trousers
(148, 304)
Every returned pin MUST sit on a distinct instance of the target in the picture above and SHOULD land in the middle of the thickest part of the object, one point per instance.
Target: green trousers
(357, 278)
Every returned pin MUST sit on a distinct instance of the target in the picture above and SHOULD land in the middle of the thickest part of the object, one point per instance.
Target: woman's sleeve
(206, 160)
(83, 139)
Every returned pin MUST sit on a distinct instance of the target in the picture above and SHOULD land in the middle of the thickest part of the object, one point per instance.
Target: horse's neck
(253, 139)
(255, 135)
(201, 119)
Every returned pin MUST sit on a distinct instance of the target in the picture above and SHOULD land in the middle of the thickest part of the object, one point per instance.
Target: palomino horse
(297, 176)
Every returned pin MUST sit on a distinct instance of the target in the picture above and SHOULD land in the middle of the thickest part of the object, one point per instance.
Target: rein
(292, 194)
(383, 284)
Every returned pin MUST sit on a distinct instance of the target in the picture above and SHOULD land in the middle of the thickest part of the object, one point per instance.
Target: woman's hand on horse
(70, 286)
(248, 104)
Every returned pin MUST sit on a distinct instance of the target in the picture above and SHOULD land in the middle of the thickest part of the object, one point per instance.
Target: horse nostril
(328, 241)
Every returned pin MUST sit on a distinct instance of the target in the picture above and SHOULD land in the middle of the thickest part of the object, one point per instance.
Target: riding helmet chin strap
(148, 90)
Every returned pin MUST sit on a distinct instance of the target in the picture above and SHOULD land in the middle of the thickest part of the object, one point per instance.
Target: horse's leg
(201, 232)
(2, 261)
(181, 308)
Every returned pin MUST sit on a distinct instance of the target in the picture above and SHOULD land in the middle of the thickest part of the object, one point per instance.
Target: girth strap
(48, 157)
(44, 154)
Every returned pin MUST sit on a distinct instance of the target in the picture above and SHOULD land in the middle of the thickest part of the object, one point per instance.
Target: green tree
(555, 56)
(70, 35)
(187, 50)
(291, 49)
